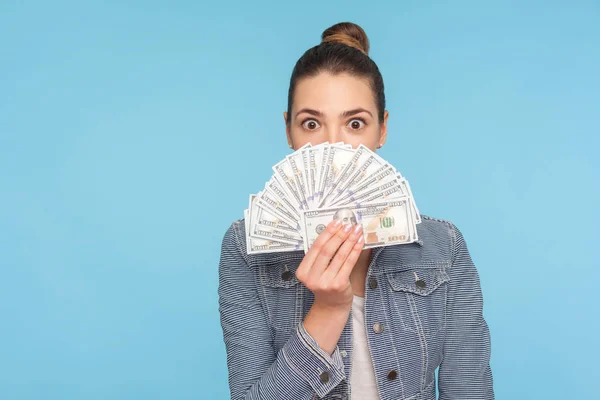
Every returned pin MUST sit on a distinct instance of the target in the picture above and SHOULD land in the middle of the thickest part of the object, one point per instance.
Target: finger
(309, 258)
(346, 269)
(329, 250)
(342, 254)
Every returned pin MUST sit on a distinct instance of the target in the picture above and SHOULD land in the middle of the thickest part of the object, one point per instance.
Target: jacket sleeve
(256, 371)
(465, 371)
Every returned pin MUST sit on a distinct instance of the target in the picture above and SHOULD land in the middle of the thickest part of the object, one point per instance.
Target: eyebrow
(342, 115)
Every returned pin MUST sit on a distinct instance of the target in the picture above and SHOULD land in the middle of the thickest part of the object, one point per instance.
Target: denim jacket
(423, 310)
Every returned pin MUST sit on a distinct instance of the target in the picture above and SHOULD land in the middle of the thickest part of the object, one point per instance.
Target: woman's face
(335, 108)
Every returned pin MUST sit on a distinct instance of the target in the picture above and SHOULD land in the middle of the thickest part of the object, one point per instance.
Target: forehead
(333, 93)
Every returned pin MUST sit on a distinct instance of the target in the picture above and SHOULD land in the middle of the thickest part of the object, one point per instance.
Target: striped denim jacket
(423, 310)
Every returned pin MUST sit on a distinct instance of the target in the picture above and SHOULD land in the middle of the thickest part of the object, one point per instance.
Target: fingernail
(347, 228)
(336, 222)
(357, 229)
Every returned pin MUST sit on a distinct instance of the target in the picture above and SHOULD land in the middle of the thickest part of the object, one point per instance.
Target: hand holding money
(316, 185)
(326, 267)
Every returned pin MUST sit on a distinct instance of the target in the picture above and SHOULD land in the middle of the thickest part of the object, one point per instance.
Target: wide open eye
(357, 123)
(310, 124)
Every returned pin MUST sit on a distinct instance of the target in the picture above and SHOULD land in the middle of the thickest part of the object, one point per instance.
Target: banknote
(273, 204)
(316, 184)
(296, 166)
(265, 221)
(414, 206)
(325, 163)
(384, 191)
(384, 173)
(274, 187)
(384, 223)
(305, 174)
(337, 158)
(315, 158)
(257, 245)
(363, 163)
(284, 173)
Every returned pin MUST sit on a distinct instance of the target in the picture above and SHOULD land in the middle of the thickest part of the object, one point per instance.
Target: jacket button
(392, 375)
(286, 276)
(324, 377)
(378, 327)
(420, 283)
(373, 283)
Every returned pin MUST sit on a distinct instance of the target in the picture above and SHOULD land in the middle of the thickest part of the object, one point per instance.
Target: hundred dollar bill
(305, 169)
(343, 173)
(269, 201)
(258, 231)
(285, 176)
(256, 246)
(414, 206)
(268, 232)
(276, 189)
(392, 189)
(385, 173)
(384, 224)
(315, 159)
(296, 165)
(363, 164)
(369, 166)
(388, 189)
(355, 183)
(352, 191)
(322, 168)
(265, 220)
(320, 173)
(337, 158)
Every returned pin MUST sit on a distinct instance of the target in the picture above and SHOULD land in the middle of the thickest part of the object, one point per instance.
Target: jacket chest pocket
(282, 295)
(419, 297)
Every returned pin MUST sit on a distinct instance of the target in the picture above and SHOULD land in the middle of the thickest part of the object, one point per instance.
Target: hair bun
(347, 33)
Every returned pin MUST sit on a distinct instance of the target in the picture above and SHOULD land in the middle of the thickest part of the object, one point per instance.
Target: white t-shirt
(362, 376)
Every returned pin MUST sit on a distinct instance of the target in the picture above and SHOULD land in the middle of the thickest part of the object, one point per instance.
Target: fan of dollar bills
(316, 184)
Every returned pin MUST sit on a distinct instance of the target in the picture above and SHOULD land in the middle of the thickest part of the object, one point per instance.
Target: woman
(340, 321)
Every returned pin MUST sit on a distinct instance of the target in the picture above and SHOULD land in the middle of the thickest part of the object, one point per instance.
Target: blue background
(131, 134)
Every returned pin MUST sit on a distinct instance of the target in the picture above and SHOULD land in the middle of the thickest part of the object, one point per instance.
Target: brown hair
(344, 48)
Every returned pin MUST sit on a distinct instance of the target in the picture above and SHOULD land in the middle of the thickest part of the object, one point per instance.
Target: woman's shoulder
(436, 226)
(236, 230)
(441, 234)
(235, 237)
